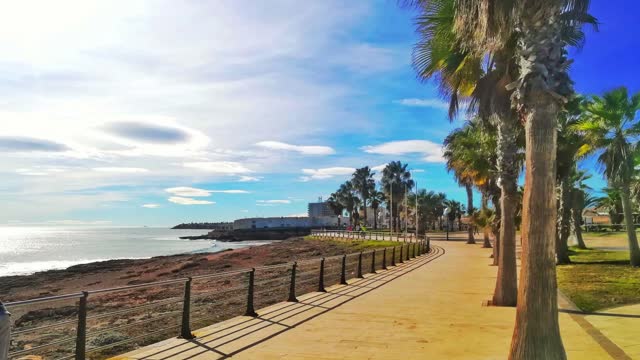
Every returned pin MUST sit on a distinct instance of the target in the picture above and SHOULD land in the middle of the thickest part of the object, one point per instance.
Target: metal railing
(106, 322)
(385, 235)
(369, 235)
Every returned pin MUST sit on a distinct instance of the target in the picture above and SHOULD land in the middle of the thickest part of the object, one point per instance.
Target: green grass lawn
(599, 279)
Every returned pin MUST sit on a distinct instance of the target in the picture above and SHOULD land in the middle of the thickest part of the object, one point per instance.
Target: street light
(445, 213)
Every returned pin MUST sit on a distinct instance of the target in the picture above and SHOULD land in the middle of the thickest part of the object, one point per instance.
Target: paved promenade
(427, 308)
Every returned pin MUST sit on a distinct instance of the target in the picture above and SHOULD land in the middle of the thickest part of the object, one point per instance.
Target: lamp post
(445, 213)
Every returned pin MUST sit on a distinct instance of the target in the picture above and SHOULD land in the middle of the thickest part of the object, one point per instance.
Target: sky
(161, 112)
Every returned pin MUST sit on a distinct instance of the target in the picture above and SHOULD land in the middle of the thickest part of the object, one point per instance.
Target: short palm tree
(336, 206)
(609, 127)
(364, 185)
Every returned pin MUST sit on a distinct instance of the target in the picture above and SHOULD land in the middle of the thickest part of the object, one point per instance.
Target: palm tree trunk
(562, 250)
(364, 201)
(375, 218)
(506, 290)
(634, 251)
(487, 242)
(576, 213)
(537, 332)
(495, 228)
(470, 239)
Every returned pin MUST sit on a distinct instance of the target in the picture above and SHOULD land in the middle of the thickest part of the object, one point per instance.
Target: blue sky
(160, 112)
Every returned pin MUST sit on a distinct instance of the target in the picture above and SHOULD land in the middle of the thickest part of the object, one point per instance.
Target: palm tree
(612, 203)
(364, 185)
(609, 125)
(580, 200)
(541, 87)
(455, 211)
(377, 198)
(347, 197)
(396, 179)
(569, 144)
(430, 208)
(336, 206)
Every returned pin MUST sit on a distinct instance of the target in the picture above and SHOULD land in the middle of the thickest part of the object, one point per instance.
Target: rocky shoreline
(114, 273)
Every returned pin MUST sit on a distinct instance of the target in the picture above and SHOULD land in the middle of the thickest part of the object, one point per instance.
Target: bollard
(360, 265)
(321, 280)
(373, 261)
(185, 329)
(292, 286)
(81, 329)
(401, 255)
(393, 256)
(250, 310)
(343, 274)
(5, 332)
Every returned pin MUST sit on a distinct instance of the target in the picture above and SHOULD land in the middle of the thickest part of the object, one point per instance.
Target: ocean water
(26, 250)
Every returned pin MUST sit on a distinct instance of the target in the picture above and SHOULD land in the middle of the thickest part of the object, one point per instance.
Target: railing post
(384, 259)
(428, 244)
(185, 329)
(343, 273)
(401, 254)
(408, 258)
(321, 280)
(81, 329)
(360, 265)
(292, 286)
(393, 256)
(5, 332)
(252, 278)
(373, 261)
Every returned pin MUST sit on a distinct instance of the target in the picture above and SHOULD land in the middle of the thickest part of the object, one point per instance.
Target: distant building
(271, 223)
(321, 208)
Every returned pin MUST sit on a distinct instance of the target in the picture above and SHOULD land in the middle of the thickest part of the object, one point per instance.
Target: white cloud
(432, 103)
(188, 191)
(123, 170)
(244, 211)
(218, 167)
(306, 150)
(379, 168)
(151, 206)
(431, 151)
(188, 201)
(273, 201)
(245, 178)
(325, 173)
(195, 192)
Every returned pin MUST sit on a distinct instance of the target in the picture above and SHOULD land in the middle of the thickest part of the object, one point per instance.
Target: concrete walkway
(430, 307)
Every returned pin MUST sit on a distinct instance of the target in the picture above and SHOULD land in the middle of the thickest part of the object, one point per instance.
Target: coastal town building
(320, 208)
(285, 222)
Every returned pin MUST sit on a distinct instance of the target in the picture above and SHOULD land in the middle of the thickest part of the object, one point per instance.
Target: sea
(26, 250)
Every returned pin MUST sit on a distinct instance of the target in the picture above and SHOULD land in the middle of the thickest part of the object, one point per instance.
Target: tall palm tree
(609, 126)
(439, 53)
(364, 185)
(377, 198)
(541, 87)
(396, 180)
(569, 144)
(336, 206)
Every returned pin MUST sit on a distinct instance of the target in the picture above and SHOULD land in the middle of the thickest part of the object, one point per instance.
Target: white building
(285, 222)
